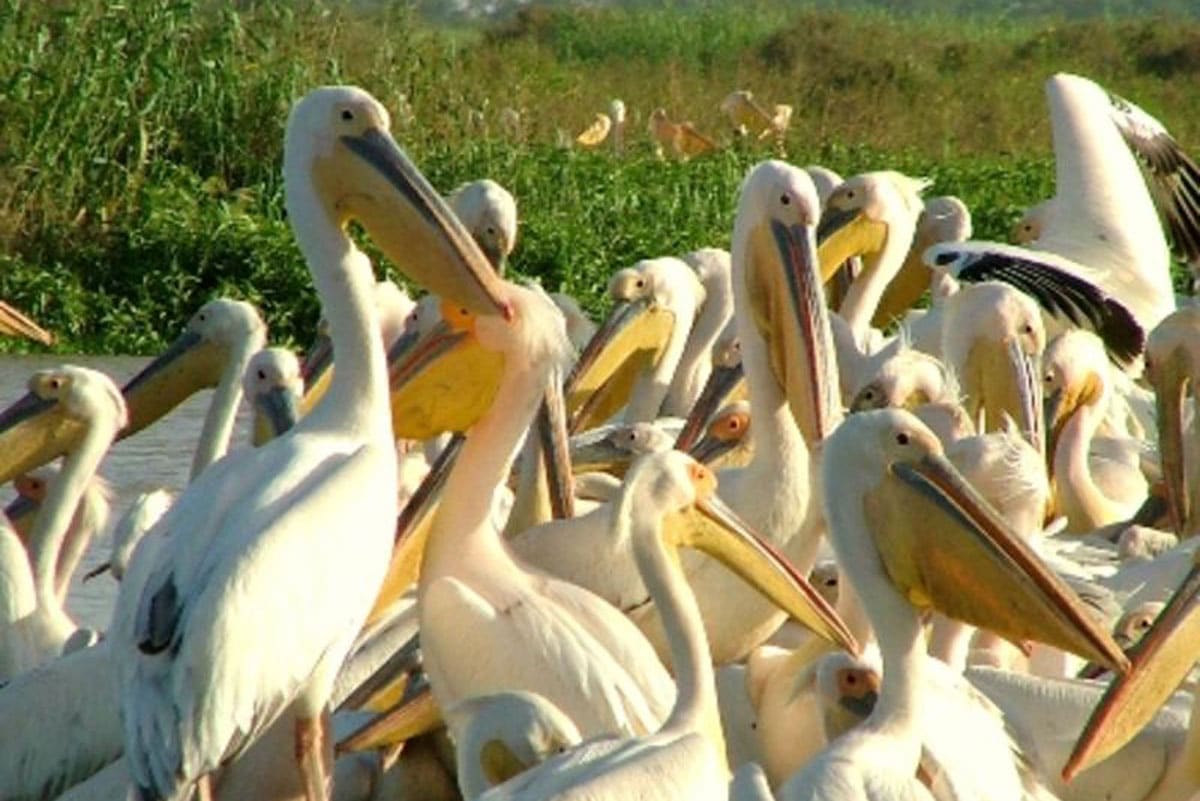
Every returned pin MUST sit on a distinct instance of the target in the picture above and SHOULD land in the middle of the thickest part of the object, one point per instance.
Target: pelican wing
(1174, 176)
(215, 634)
(545, 642)
(1062, 288)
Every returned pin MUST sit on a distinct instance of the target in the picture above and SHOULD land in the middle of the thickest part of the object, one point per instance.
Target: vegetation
(140, 140)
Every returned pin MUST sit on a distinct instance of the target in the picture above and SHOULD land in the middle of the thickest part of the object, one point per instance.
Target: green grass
(140, 141)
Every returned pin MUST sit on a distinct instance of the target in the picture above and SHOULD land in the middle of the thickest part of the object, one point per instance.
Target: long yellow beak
(629, 342)
(789, 311)
(33, 431)
(725, 537)
(412, 224)
(1160, 662)
(845, 233)
(1171, 381)
(1003, 380)
(416, 714)
(275, 412)
(16, 324)
(190, 364)
(958, 556)
(316, 370)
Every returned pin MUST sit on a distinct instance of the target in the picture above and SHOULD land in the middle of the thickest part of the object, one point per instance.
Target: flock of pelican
(766, 531)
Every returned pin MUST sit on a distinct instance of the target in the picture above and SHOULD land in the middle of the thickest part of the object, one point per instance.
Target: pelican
(502, 735)
(684, 758)
(1173, 367)
(943, 219)
(616, 113)
(212, 352)
(489, 212)
(873, 215)
(15, 323)
(1089, 492)
(251, 542)
(91, 516)
(596, 132)
(1101, 260)
(887, 463)
(683, 138)
(273, 386)
(78, 411)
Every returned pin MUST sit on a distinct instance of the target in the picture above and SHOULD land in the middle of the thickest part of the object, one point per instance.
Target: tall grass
(140, 141)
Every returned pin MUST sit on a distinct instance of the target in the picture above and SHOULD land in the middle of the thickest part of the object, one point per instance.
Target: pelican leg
(314, 755)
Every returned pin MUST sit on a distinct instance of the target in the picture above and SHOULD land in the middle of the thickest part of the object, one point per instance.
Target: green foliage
(140, 140)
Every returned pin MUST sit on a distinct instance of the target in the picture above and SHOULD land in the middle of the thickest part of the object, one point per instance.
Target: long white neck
(62, 499)
(462, 531)
(222, 411)
(356, 403)
(896, 624)
(863, 298)
(695, 708)
(17, 596)
(695, 364)
(90, 516)
(1086, 505)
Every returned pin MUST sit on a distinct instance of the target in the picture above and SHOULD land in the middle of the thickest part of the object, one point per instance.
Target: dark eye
(851, 679)
(868, 395)
(262, 376)
(202, 317)
(849, 194)
(347, 114)
(831, 581)
(491, 231)
(55, 383)
(1049, 378)
(902, 438)
(1028, 328)
(641, 282)
(784, 199)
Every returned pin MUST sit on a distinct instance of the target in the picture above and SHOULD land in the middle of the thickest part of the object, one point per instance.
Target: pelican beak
(600, 450)
(905, 289)
(410, 222)
(20, 514)
(844, 234)
(789, 311)
(494, 250)
(1171, 382)
(15, 324)
(316, 370)
(551, 425)
(444, 381)
(1160, 662)
(33, 431)
(1063, 403)
(416, 714)
(861, 704)
(412, 532)
(629, 342)
(725, 537)
(190, 364)
(275, 412)
(712, 447)
(716, 392)
(1002, 379)
(956, 555)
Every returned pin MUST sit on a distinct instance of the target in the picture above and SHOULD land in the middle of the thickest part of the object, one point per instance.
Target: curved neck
(777, 445)
(91, 516)
(462, 531)
(695, 364)
(62, 499)
(222, 411)
(863, 297)
(356, 402)
(17, 596)
(695, 708)
(646, 400)
(1085, 503)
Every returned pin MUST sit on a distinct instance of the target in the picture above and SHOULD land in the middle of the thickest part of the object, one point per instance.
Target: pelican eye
(902, 438)
(1028, 328)
(849, 194)
(784, 199)
(347, 114)
(262, 375)
(55, 383)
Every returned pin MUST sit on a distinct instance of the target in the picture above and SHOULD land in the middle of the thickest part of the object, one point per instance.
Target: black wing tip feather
(1065, 295)
(162, 620)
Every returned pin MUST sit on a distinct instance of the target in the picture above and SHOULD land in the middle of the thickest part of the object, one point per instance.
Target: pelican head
(726, 376)
(196, 360)
(654, 304)
(993, 340)
(672, 482)
(489, 212)
(775, 262)
(860, 213)
(1033, 223)
(848, 688)
(611, 448)
(52, 417)
(938, 543)
(727, 429)
(339, 137)
(1172, 367)
(906, 380)
(274, 387)
(1075, 375)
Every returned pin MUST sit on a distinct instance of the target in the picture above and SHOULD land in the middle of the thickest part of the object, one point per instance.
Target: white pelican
(749, 117)
(684, 758)
(941, 546)
(873, 215)
(80, 411)
(1173, 368)
(501, 735)
(616, 113)
(1101, 259)
(1090, 492)
(250, 540)
(596, 132)
(91, 516)
(212, 352)
(489, 212)
(683, 138)
(273, 387)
